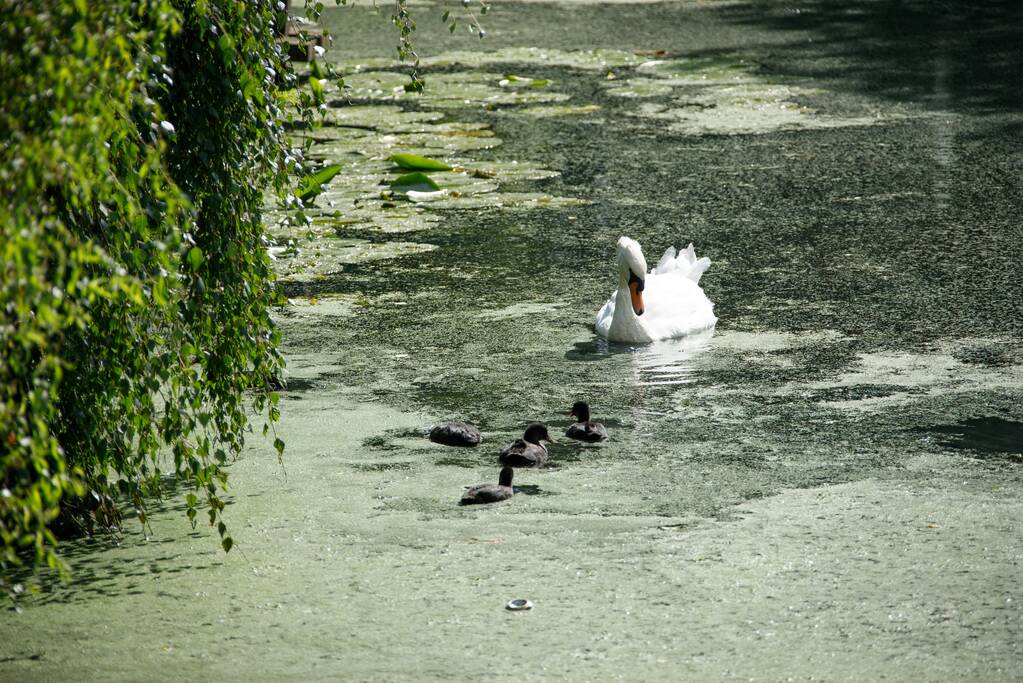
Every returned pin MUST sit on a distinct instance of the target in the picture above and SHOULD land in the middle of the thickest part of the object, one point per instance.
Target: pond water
(826, 487)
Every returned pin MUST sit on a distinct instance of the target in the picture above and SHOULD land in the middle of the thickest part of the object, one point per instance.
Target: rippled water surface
(826, 487)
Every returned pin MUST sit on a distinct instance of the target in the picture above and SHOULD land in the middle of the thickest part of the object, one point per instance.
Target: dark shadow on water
(299, 384)
(945, 55)
(531, 490)
(469, 463)
(986, 437)
(99, 571)
(573, 451)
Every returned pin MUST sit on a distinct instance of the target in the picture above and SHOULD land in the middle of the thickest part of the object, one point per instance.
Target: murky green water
(828, 487)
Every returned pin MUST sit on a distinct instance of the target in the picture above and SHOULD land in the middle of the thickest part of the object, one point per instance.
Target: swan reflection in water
(669, 361)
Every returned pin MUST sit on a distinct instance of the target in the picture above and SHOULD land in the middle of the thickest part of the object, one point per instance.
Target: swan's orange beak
(636, 290)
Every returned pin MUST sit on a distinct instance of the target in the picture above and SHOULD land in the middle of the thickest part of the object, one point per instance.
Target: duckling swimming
(584, 430)
(490, 493)
(527, 451)
(456, 434)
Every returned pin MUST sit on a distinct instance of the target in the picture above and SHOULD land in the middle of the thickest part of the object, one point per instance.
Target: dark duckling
(490, 493)
(527, 451)
(456, 434)
(584, 430)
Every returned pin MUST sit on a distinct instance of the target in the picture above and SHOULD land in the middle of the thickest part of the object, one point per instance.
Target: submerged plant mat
(557, 110)
(331, 305)
(599, 59)
(725, 95)
(316, 258)
(447, 90)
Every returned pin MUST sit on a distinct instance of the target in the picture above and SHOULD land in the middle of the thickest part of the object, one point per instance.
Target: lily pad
(312, 184)
(511, 80)
(418, 182)
(415, 162)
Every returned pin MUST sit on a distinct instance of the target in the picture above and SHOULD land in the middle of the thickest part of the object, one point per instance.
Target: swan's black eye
(634, 278)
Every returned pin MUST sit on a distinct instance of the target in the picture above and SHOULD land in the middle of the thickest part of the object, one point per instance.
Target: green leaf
(414, 162)
(227, 543)
(419, 182)
(226, 44)
(316, 87)
(312, 185)
(195, 258)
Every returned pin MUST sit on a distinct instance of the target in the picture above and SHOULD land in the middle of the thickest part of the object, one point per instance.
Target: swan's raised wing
(685, 262)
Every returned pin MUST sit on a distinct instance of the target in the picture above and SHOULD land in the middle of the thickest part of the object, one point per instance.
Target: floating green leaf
(518, 81)
(414, 162)
(418, 181)
(312, 185)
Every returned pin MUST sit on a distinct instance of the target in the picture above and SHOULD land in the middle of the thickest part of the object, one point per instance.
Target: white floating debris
(416, 196)
(519, 604)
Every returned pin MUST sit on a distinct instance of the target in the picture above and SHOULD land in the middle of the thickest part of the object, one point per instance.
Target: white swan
(664, 304)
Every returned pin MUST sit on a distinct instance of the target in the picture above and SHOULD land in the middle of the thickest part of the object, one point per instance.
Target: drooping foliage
(137, 139)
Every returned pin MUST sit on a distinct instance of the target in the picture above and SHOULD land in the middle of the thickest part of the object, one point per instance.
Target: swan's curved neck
(623, 274)
(626, 326)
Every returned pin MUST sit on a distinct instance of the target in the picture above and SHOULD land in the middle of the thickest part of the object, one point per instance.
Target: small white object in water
(416, 196)
(319, 51)
(518, 605)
